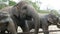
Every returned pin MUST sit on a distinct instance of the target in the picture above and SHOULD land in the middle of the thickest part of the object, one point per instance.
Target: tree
(11, 3)
(34, 5)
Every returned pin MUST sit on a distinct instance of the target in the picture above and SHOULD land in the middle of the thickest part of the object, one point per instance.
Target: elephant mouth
(58, 25)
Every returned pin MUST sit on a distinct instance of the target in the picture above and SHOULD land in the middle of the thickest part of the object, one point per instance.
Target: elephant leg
(44, 25)
(2, 32)
(45, 29)
(11, 27)
(7, 32)
(25, 30)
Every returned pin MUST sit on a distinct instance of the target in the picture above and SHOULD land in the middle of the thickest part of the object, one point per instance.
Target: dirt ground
(52, 27)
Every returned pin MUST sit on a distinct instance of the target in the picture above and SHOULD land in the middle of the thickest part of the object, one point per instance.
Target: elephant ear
(15, 11)
(50, 20)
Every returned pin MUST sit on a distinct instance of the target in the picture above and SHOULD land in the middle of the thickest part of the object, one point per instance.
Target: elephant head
(23, 9)
(53, 19)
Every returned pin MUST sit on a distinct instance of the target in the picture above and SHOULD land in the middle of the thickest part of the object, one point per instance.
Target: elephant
(6, 23)
(45, 21)
(21, 12)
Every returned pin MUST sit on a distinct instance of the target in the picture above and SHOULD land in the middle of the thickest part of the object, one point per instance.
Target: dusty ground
(52, 27)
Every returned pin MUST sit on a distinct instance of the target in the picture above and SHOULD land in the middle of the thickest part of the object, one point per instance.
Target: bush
(11, 3)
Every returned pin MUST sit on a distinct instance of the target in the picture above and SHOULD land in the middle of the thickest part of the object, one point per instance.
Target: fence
(40, 31)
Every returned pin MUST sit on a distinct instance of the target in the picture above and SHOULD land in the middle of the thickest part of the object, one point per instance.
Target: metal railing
(40, 31)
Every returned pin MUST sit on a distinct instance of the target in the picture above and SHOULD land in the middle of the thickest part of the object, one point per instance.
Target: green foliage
(43, 11)
(2, 6)
(11, 3)
(34, 5)
(4, 0)
(55, 12)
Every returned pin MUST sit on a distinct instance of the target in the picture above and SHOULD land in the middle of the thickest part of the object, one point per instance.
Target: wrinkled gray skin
(6, 23)
(24, 12)
(21, 12)
(45, 21)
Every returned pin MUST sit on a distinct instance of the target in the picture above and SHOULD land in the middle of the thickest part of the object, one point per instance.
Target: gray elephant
(21, 12)
(45, 21)
(6, 23)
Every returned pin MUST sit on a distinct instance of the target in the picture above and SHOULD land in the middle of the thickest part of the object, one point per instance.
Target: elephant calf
(6, 23)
